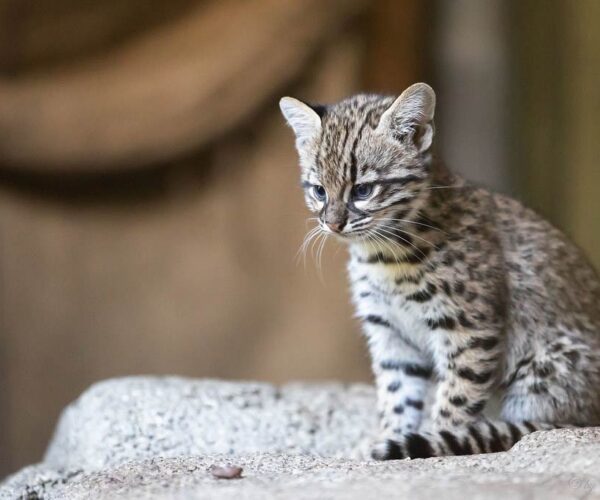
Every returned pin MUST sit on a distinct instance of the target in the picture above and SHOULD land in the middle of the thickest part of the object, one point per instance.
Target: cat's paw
(387, 449)
(411, 445)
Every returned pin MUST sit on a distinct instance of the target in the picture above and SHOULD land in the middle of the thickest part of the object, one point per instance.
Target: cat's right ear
(303, 119)
(410, 117)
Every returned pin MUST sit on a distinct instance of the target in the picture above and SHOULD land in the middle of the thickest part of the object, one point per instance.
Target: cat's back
(550, 281)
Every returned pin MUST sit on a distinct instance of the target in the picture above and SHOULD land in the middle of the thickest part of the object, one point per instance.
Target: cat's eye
(319, 193)
(362, 191)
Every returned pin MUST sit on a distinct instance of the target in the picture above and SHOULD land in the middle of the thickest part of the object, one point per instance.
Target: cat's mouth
(375, 231)
(348, 235)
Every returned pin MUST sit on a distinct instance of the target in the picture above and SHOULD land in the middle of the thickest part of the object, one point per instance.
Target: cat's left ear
(303, 119)
(410, 117)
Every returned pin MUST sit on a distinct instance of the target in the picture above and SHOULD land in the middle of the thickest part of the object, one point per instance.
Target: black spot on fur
(475, 408)
(496, 444)
(477, 378)
(538, 388)
(479, 317)
(390, 365)
(418, 446)
(458, 400)
(452, 442)
(544, 370)
(377, 320)
(401, 181)
(448, 259)
(402, 239)
(410, 369)
(456, 354)
(515, 374)
(573, 357)
(466, 445)
(464, 322)
(420, 296)
(415, 370)
(379, 258)
(515, 433)
(444, 322)
(394, 386)
(414, 403)
(400, 214)
(394, 451)
(485, 343)
(478, 438)
(418, 256)
(398, 409)
(401, 201)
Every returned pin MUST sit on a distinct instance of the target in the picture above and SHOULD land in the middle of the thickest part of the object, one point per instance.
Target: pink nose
(336, 227)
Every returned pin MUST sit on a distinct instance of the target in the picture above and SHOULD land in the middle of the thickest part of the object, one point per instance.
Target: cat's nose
(336, 227)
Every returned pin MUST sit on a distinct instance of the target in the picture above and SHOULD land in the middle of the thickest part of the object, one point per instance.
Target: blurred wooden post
(470, 60)
(537, 103)
(582, 125)
(556, 104)
(397, 45)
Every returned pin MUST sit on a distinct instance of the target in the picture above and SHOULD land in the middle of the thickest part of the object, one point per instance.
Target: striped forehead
(343, 126)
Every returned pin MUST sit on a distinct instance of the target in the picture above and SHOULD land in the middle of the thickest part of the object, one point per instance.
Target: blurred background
(150, 209)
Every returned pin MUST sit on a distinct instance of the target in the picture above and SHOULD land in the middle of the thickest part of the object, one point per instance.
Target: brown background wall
(149, 204)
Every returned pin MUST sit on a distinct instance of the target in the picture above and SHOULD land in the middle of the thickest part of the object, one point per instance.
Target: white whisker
(304, 246)
(412, 222)
(443, 187)
(403, 239)
(320, 248)
(386, 241)
(410, 234)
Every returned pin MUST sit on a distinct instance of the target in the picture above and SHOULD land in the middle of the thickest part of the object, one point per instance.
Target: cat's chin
(350, 237)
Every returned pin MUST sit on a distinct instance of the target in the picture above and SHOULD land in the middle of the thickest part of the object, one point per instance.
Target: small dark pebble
(226, 471)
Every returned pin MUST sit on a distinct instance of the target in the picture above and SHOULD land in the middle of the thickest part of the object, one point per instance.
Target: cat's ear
(410, 117)
(303, 119)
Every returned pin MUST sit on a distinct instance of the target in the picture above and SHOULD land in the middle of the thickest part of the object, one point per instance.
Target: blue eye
(319, 193)
(362, 191)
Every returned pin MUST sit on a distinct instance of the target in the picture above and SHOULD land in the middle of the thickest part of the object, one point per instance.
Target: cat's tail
(483, 436)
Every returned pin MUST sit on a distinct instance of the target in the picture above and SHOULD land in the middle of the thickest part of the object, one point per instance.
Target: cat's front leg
(402, 376)
(468, 363)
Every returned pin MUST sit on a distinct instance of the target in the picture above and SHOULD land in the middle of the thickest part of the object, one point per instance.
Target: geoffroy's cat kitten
(455, 285)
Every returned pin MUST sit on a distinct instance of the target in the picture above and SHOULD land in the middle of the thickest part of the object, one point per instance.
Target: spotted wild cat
(455, 286)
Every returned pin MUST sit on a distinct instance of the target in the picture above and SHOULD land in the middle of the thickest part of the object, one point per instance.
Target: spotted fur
(458, 289)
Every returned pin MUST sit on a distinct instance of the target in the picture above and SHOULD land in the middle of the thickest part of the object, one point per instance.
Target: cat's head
(366, 160)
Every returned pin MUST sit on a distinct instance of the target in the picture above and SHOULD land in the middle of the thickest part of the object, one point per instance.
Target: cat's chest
(399, 294)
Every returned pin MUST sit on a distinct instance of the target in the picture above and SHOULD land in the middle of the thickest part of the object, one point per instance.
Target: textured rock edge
(556, 464)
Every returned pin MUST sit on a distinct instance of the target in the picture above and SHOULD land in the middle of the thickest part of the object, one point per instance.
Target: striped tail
(479, 437)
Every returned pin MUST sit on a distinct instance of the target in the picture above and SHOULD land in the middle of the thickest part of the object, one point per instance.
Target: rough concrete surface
(159, 437)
